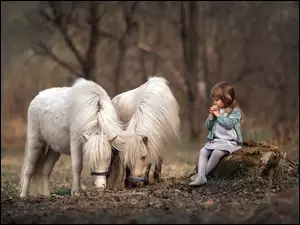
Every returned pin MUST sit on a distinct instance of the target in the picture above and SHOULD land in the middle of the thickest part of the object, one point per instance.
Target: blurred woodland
(253, 44)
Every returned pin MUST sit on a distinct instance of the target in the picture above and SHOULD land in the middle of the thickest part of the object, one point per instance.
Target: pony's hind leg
(49, 162)
(33, 152)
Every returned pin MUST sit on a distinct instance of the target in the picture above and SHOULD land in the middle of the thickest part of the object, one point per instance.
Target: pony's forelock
(97, 148)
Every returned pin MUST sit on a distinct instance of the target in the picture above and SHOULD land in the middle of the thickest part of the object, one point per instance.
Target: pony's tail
(35, 183)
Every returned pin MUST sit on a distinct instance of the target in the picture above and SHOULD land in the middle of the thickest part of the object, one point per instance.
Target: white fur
(151, 111)
(70, 120)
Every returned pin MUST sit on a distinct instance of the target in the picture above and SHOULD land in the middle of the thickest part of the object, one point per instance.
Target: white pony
(152, 113)
(78, 121)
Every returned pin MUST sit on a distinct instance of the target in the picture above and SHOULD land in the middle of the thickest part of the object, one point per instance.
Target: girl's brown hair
(225, 92)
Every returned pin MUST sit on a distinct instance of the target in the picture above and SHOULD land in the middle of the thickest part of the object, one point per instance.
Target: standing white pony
(152, 113)
(78, 121)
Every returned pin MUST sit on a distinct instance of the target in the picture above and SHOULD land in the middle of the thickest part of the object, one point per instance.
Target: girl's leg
(215, 157)
(202, 164)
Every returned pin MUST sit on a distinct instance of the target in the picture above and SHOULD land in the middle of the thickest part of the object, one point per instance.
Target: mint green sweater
(230, 121)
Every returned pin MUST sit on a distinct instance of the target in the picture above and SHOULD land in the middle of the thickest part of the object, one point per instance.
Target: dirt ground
(242, 200)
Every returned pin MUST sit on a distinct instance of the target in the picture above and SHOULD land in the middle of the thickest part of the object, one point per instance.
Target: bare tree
(65, 17)
(144, 55)
(189, 53)
(128, 12)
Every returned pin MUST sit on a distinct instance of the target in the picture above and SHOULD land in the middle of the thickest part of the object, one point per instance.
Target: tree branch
(128, 14)
(169, 65)
(56, 20)
(70, 13)
(93, 40)
(159, 17)
(101, 33)
(42, 49)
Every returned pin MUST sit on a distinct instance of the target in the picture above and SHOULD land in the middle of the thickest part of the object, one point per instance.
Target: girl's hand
(212, 110)
(211, 115)
(217, 113)
(214, 107)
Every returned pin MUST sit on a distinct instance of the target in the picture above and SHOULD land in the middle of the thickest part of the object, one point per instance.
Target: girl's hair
(225, 92)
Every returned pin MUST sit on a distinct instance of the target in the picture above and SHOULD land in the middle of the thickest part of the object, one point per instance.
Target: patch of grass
(9, 188)
(63, 191)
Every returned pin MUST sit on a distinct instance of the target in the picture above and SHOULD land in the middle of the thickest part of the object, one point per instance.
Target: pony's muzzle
(101, 179)
(141, 180)
(137, 180)
(100, 186)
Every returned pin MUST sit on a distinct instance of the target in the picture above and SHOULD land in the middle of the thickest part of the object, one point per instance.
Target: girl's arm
(231, 120)
(209, 123)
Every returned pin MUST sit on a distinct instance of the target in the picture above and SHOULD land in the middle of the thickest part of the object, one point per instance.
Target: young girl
(224, 126)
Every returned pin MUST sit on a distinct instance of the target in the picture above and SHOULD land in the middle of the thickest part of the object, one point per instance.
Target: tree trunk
(201, 103)
(189, 44)
(142, 56)
(118, 69)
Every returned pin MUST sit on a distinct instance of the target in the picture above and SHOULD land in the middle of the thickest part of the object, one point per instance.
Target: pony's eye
(143, 158)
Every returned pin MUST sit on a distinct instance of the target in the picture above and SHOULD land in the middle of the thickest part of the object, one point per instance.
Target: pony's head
(97, 149)
(137, 160)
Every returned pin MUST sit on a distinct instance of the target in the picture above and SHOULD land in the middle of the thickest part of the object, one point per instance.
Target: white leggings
(205, 165)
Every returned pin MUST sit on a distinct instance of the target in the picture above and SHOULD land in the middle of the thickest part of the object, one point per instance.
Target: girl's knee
(219, 153)
(204, 152)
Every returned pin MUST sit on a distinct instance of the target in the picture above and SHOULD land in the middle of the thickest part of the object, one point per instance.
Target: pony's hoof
(46, 194)
(83, 187)
(23, 195)
(156, 181)
(75, 192)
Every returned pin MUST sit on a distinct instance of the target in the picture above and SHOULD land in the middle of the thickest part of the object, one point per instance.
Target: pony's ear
(145, 140)
(86, 137)
(112, 140)
(99, 105)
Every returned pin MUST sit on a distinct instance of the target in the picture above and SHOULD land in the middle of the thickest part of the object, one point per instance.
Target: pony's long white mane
(150, 110)
(93, 115)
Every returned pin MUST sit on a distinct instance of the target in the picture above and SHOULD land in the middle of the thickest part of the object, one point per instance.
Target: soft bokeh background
(194, 45)
(253, 44)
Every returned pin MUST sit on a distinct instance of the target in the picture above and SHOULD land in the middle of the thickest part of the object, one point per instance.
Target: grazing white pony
(79, 121)
(152, 113)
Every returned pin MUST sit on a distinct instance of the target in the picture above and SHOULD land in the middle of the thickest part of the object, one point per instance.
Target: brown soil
(242, 200)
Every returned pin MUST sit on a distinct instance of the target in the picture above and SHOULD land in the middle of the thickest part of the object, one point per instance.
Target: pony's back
(155, 94)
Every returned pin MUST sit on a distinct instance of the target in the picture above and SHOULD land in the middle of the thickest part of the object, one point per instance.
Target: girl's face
(219, 103)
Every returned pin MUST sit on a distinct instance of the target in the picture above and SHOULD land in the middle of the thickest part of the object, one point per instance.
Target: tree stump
(254, 159)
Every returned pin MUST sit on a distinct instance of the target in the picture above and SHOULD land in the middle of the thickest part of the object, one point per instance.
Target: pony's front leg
(77, 165)
(157, 171)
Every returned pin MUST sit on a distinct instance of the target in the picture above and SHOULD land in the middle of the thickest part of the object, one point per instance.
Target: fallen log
(263, 160)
